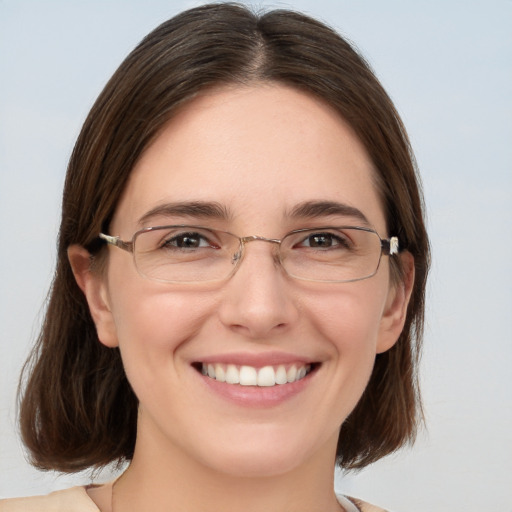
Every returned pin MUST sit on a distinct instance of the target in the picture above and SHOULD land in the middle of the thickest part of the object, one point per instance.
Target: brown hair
(77, 409)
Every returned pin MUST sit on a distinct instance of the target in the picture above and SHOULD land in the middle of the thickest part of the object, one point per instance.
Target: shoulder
(354, 505)
(368, 507)
(75, 499)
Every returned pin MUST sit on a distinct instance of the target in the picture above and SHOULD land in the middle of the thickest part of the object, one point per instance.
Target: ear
(395, 311)
(93, 285)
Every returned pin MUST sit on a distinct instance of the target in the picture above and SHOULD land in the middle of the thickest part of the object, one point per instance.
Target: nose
(258, 300)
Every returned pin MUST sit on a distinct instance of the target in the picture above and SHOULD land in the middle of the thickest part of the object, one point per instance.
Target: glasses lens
(194, 254)
(331, 254)
(184, 254)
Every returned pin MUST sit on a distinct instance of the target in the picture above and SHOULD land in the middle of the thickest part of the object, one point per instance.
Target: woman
(238, 299)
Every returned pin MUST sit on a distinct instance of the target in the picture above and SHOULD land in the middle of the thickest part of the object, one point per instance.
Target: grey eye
(323, 241)
(187, 241)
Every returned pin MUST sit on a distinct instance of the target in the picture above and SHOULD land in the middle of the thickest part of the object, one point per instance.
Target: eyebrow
(197, 209)
(312, 209)
(217, 211)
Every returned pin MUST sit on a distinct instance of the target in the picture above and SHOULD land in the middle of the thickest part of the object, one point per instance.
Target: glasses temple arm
(390, 246)
(117, 242)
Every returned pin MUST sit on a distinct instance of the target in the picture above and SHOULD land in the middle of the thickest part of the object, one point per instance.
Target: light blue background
(448, 67)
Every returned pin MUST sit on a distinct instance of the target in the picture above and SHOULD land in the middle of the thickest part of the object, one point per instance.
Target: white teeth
(266, 376)
(220, 374)
(248, 376)
(291, 374)
(232, 374)
(281, 376)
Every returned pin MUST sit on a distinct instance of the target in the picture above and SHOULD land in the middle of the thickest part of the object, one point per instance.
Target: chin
(258, 456)
(258, 466)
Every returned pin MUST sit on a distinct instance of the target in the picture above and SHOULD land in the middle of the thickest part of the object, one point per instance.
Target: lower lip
(258, 396)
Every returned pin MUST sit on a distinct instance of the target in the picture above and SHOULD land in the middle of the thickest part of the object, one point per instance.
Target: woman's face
(259, 153)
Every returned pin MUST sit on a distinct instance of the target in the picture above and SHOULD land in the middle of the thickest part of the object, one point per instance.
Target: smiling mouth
(267, 376)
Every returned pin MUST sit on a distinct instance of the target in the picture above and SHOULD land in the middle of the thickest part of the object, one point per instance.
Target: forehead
(258, 152)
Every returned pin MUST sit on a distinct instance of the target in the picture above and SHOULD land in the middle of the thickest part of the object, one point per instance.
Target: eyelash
(171, 242)
(341, 241)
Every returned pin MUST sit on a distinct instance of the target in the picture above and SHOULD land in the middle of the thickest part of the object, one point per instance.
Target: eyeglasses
(189, 254)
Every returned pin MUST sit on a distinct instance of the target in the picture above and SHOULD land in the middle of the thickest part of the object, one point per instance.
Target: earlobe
(94, 287)
(395, 312)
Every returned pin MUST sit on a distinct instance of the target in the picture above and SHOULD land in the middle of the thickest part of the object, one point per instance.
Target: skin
(258, 151)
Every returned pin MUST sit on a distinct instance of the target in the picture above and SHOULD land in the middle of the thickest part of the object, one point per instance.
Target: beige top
(76, 499)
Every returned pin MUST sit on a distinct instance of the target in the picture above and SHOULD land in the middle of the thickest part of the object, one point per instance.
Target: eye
(325, 240)
(189, 240)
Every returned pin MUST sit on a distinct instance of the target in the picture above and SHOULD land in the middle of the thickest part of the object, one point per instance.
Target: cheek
(148, 315)
(345, 323)
(152, 322)
(152, 328)
(348, 320)
(349, 316)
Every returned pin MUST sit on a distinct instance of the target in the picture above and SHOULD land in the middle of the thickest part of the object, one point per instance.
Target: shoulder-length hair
(77, 408)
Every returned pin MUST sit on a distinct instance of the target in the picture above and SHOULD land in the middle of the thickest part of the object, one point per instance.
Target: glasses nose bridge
(253, 238)
(243, 240)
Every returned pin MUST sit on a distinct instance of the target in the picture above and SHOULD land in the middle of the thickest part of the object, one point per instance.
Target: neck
(168, 480)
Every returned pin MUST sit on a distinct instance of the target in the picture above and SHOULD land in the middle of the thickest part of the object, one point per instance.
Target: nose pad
(235, 260)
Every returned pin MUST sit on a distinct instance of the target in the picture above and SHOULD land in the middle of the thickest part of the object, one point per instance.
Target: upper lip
(256, 360)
